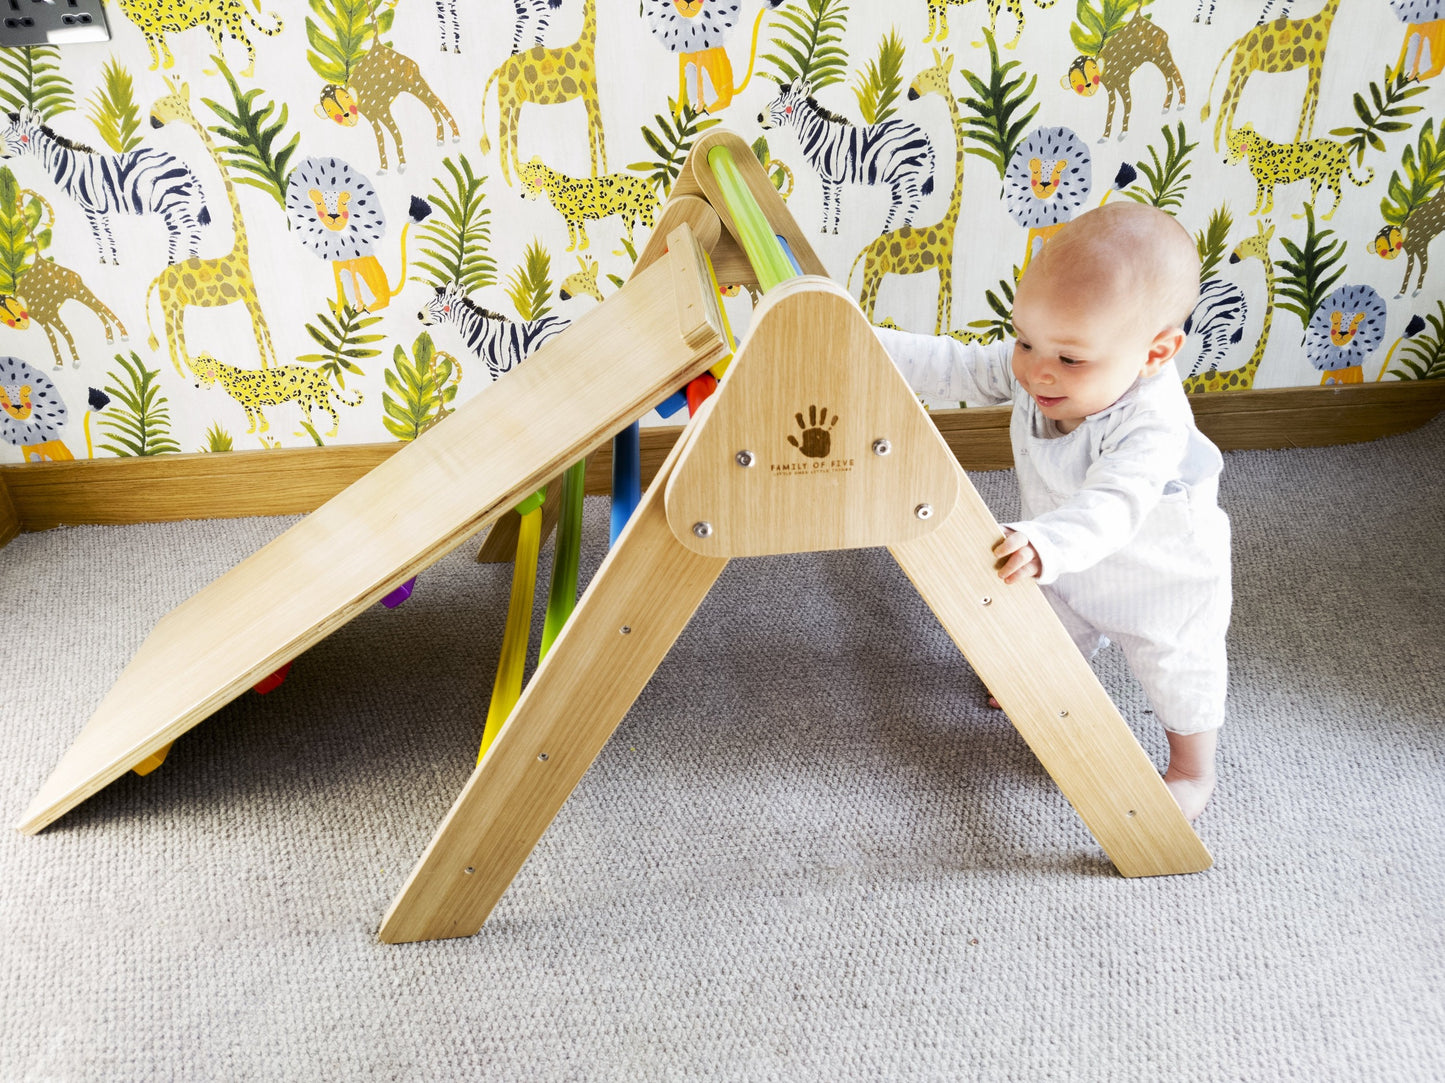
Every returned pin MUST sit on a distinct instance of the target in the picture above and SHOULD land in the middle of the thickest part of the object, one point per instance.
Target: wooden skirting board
(295, 481)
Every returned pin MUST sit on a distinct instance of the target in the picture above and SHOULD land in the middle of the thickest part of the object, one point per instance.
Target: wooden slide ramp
(609, 367)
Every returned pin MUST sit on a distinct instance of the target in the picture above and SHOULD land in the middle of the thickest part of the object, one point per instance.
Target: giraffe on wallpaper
(1242, 378)
(40, 292)
(205, 283)
(917, 249)
(1280, 45)
(547, 77)
(378, 79)
(1124, 52)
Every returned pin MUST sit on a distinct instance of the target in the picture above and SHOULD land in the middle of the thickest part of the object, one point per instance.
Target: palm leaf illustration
(996, 123)
(454, 242)
(1212, 239)
(670, 144)
(1310, 271)
(138, 420)
(113, 108)
(341, 336)
(341, 35)
(1166, 177)
(248, 137)
(30, 77)
(878, 88)
(1382, 117)
(1421, 173)
(530, 286)
(808, 43)
(420, 388)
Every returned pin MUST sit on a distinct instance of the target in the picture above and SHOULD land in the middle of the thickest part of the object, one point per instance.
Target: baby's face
(1076, 355)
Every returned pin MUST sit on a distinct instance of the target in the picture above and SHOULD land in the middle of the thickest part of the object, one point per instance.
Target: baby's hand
(1017, 558)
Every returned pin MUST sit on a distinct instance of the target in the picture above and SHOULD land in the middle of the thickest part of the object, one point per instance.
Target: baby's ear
(1166, 344)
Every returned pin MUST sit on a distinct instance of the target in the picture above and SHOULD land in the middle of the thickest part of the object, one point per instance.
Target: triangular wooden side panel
(608, 368)
(813, 441)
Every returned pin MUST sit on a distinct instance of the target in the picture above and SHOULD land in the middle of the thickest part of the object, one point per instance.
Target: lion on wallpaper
(695, 31)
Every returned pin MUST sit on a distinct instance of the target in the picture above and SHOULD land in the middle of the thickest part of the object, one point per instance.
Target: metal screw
(702, 529)
(924, 511)
(882, 446)
(626, 630)
(1064, 714)
(469, 870)
(542, 756)
(745, 458)
(985, 601)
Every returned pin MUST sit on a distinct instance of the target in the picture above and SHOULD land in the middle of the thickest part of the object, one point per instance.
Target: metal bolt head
(924, 511)
(745, 458)
(702, 529)
(882, 446)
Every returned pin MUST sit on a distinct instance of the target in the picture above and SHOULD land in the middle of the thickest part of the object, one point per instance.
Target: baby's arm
(1120, 489)
(941, 367)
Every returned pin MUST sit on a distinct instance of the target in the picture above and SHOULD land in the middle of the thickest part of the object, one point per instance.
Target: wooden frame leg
(632, 612)
(500, 545)
(1022, 653)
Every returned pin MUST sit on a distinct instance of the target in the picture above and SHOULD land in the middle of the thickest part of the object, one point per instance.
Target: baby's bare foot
(994, 704)
(1190, 776)
(1192, 794)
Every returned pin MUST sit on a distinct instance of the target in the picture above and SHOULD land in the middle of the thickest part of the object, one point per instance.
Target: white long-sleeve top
(1093, 492)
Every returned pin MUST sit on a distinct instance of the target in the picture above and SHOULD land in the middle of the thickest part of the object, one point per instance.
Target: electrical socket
(51, 22)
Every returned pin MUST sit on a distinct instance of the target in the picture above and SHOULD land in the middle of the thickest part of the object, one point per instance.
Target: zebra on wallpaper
(1218, 321)
(893, 152)
(140, 181)
(528, 11)
(449, 25)
(500, 342)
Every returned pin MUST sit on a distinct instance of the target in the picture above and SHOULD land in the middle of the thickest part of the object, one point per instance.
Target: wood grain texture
(619, 634)
(809, 392)
(500, 544)
(1020, 651)
(9, 517)
(405, 514)
(294, 481)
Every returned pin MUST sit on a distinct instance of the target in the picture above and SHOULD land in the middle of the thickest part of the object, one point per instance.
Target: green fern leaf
(343, 342)
(879, 87)
(30, 78)
(1167, 179)
(1310, 271)
(670, 144)
(812, 44)
(530, 286)
(248, 135)
(1424, 356)
(1211, 241)
(140, 423)
(995, 121)
(113, 109)
(454, 243)
(218, 439)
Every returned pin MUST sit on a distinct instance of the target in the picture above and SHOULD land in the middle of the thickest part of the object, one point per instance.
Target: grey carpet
(809, 853)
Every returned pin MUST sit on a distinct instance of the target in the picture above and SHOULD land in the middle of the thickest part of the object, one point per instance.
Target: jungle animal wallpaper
(246, 224)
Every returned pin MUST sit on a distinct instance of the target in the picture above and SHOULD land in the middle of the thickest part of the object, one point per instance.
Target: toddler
(1121, 523)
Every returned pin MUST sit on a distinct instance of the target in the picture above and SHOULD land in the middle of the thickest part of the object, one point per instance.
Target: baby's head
(1100, 306)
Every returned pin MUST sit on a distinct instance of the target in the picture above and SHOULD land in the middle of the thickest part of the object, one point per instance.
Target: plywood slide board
(607, 368)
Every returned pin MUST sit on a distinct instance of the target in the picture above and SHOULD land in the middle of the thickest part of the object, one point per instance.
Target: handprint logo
(817, 433)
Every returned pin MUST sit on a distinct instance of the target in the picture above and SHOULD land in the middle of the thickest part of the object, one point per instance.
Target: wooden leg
(634, 609)
(1019, 649)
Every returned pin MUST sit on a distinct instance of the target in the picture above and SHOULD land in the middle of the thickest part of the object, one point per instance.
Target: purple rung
(400, 594)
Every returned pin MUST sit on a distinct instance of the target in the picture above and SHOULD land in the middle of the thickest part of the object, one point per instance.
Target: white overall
(1124, 515)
